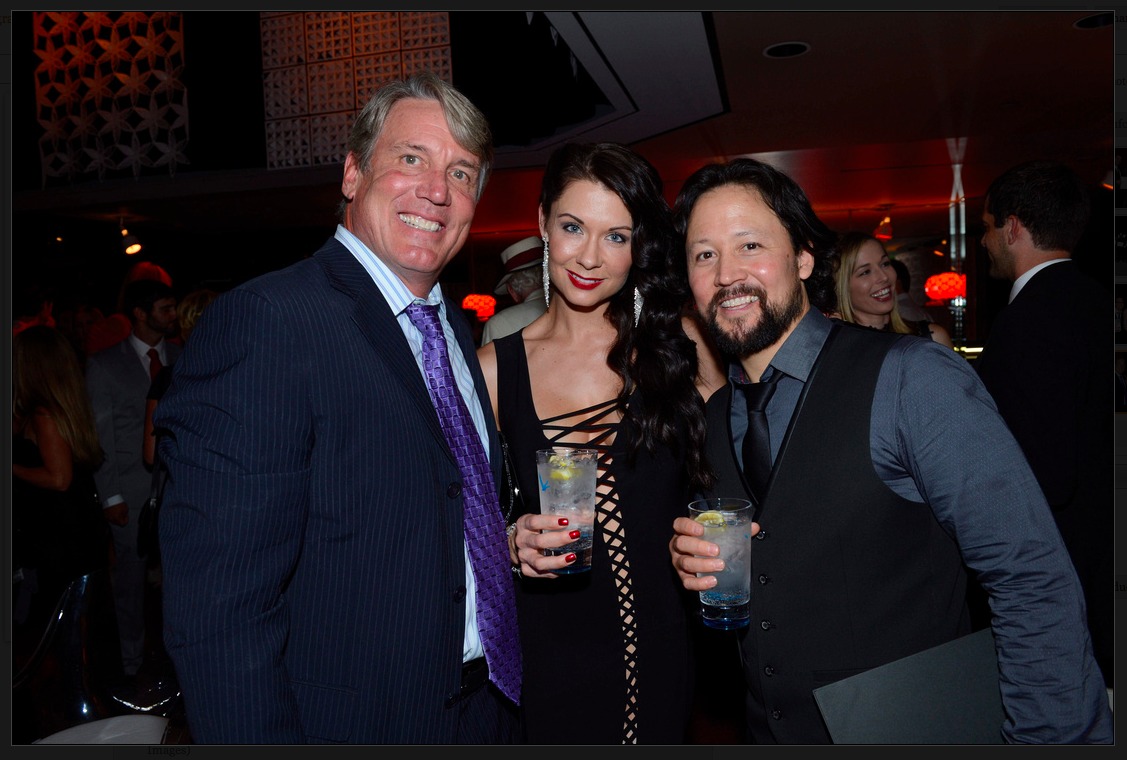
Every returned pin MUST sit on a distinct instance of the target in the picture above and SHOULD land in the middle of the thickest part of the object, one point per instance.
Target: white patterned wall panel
(372, 71)
(320, 67)
(284, 91)
(331, 87)
(283, 39)
(287, 142)
(328, 36)
(328, 137)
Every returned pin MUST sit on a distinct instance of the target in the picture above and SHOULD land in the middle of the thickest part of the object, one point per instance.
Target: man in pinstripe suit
(316, 583)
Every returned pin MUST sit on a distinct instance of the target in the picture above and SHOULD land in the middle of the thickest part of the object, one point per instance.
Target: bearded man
(889, 475)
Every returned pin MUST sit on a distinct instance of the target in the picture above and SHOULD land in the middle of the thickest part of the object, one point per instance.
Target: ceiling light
(884, 229)
(786, 49)
(129, 243)
(1096, 21)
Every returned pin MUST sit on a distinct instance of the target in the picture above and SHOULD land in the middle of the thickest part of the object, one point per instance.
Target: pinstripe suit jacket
(117, 384)
(311, 532)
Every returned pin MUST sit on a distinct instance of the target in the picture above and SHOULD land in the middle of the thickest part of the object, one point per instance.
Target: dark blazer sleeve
(233, 517)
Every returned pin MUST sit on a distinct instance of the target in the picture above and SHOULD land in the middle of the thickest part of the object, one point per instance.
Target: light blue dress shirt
(398, 299)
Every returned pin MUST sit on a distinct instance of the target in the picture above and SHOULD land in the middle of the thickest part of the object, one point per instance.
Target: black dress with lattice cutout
(606, 653)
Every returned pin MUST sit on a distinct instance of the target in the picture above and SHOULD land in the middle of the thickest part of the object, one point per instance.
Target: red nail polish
(573, 534)
(563, 521)
(570, 558)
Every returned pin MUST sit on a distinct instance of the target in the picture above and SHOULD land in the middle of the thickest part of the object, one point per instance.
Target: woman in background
(608, 366)
(59, 531)
(866, 289)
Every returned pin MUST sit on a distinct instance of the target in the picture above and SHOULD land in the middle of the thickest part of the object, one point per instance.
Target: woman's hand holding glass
(533, 534)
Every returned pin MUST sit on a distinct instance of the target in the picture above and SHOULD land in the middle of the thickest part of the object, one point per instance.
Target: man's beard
(774, 321)
(1000, 264)
(168, 331)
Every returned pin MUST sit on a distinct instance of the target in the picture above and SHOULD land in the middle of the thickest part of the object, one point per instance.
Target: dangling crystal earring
(637, 305)
(547, 279)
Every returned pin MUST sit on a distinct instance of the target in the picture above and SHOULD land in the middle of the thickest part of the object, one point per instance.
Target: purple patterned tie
(485, 529)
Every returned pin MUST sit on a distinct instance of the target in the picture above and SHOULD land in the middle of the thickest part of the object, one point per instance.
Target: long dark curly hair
(656, 358)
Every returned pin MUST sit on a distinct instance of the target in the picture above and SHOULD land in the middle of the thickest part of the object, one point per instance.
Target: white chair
(120, 729)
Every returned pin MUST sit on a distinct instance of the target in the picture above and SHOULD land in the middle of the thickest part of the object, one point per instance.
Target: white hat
(520, 255)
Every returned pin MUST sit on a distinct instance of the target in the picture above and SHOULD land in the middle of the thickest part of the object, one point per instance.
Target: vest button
(460, 594)
(768, 671)
(766, 625)
(777, 714)
(764, 580)
(454, 490)
(762, 534)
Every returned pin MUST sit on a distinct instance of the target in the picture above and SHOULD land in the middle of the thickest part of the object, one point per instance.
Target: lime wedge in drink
(561, 470)
(711, 519)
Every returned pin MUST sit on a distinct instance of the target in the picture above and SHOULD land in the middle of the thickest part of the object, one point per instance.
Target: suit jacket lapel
(378, 325)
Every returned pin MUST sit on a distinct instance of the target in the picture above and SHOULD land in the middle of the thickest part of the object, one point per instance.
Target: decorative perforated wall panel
(109, 95)
(319, 68)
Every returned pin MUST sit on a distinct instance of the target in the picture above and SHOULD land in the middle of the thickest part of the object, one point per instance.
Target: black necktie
(757, 441)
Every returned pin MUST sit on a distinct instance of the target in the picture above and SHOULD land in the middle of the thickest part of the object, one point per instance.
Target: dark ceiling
(884, 115)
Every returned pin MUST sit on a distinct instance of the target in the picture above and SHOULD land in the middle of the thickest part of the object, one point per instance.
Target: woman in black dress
(608, 366)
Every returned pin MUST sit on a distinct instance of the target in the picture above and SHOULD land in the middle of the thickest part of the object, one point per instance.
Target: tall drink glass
(727, 523)
(567, 480)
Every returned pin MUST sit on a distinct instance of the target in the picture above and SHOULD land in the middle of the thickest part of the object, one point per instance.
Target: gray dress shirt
(936, 437)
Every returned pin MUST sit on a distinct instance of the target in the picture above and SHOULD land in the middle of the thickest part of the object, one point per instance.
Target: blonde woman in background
(866, 290)
(59, 531)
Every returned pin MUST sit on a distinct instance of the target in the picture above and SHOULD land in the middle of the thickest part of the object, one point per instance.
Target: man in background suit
(523, 282)
(117, 380)
(1042, 362)
(317, 583)
(905, 304)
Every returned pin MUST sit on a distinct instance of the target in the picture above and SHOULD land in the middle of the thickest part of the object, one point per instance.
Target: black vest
(846, 575)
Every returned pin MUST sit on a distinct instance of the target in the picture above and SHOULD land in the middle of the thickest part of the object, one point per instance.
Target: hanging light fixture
(884, 229)
(952, 288)
(482, 305)
(129, 243)
(945, 286)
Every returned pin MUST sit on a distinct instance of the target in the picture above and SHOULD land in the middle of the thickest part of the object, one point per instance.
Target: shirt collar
(1020, 282)
(142, 348)
(394, 291)
(797, 354)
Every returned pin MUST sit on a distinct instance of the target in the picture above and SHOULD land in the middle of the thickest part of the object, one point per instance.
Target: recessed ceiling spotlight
(786, 49)
(1096, 21)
